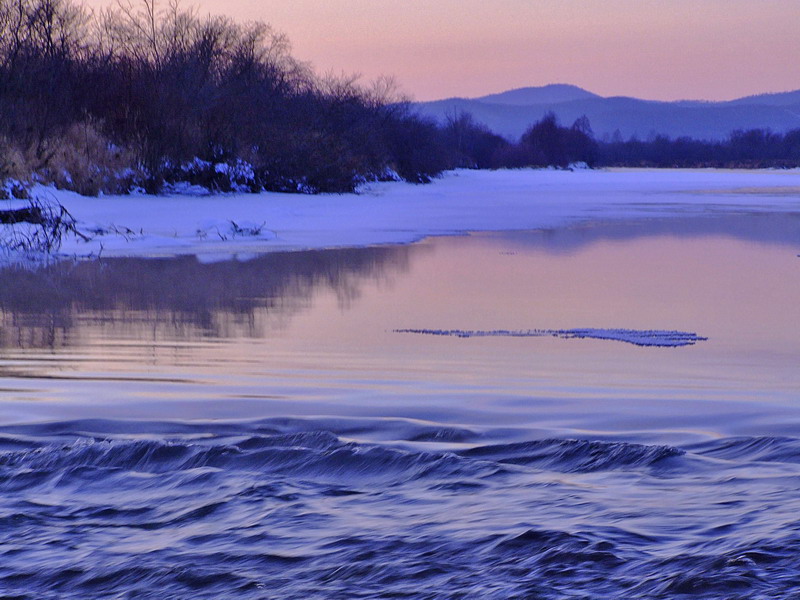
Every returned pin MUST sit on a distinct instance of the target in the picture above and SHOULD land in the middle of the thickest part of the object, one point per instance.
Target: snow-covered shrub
(224, 176)
(388, 174)
(13, 188)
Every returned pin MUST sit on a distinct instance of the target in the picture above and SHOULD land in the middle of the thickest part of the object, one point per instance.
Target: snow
(645, 337)
(396, 212)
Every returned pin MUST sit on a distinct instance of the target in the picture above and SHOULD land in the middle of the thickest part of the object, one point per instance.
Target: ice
(638, 337)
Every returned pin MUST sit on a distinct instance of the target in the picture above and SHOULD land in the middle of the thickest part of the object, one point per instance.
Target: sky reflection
(313, 332)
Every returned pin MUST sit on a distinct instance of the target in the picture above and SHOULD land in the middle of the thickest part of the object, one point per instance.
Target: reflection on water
(180, 298)
(762, 228)
(257, 429)
(313, 332)
(184, 298)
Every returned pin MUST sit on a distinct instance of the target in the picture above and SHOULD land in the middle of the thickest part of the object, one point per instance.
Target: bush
(14, 171)
(84, 160)
(234, 175)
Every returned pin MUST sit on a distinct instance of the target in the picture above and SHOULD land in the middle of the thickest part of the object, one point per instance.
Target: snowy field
(459, 202)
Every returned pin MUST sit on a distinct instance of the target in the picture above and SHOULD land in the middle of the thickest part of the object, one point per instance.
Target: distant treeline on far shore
(547, 143)
(145, 97)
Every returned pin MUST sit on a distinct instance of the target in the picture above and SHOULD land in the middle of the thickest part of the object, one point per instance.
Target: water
(259, 429)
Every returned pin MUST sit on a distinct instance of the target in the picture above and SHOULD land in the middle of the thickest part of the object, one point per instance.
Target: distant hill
(510, 113)
(548, 94)
(782, 99)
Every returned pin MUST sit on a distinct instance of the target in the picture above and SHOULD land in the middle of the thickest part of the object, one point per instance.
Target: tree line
(753, 148)
(142, 96)
(547, 143)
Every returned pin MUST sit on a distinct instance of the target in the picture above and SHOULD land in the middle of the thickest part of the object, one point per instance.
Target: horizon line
(572, 85)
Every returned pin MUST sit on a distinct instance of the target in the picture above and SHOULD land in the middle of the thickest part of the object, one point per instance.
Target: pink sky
(657, 49)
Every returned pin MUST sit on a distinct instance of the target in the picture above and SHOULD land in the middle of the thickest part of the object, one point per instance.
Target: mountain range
(510, 113)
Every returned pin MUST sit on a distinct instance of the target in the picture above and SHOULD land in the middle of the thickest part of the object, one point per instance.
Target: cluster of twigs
(39, 227)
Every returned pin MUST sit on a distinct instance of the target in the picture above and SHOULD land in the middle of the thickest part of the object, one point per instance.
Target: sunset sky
(655, 49)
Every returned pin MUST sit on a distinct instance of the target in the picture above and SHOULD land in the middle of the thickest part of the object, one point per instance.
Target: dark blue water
(171, 429)
(289, 508)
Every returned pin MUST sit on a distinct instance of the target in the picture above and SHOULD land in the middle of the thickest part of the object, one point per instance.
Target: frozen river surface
(288, 426)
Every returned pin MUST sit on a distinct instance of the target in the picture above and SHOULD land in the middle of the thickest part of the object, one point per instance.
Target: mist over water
(257, 429)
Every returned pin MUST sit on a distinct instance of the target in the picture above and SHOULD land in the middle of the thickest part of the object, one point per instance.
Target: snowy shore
(459, 202)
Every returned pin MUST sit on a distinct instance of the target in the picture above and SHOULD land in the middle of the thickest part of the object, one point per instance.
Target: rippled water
(258, 429)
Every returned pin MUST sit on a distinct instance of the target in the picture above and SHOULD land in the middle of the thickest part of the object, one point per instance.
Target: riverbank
(459, 202)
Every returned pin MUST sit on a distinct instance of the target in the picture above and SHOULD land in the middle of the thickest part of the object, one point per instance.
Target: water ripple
(291, 509)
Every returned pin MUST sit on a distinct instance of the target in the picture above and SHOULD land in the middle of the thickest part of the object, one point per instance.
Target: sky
(654, 49)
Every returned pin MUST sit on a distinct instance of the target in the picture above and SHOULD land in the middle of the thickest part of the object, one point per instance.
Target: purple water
(259, 429)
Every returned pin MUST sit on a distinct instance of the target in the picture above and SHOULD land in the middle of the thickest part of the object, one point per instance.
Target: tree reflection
(781, 229)
(181, 298)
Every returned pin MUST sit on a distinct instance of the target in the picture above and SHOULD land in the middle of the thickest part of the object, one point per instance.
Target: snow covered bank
(459, 202)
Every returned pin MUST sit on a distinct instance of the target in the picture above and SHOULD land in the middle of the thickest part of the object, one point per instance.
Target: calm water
(258, 429)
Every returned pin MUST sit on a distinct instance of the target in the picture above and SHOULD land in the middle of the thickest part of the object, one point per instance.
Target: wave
(575, 455)
(293, 508)
(314, 447)
(315, 454)
(762, 448)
